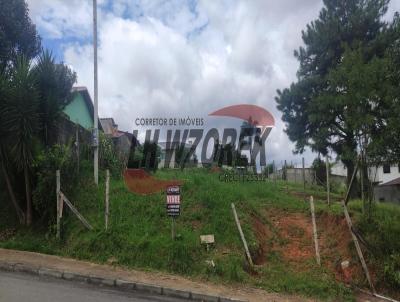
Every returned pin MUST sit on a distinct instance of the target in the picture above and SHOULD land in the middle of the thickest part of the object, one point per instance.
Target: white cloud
(173, 58)
(62, 19)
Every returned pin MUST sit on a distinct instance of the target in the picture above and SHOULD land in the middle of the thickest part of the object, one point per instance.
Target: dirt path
(161, 279)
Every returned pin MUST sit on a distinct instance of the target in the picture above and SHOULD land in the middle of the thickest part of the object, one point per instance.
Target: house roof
(394, 182)
(109, 126)
(88, 100)
(109, 119)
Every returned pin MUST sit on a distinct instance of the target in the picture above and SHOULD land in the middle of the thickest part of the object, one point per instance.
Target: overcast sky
(182, 58)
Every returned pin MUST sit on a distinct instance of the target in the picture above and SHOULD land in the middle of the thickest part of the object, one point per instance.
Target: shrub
(381, 230)
(392, 270)
(108, 156)
(58, 157)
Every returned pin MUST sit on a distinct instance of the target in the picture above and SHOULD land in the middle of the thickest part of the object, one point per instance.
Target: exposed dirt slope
(291, 235)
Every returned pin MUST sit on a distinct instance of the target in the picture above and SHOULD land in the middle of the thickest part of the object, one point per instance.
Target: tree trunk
(28, 197)
(350, 169)
(18, 210)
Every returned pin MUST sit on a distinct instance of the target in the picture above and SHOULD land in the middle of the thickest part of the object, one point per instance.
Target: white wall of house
(383, 176)
(339, 169)
(376, 174)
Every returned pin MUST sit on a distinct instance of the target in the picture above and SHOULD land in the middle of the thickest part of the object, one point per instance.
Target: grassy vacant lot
(276, 222)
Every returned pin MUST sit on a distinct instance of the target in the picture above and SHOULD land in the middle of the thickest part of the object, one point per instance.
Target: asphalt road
(16, 287)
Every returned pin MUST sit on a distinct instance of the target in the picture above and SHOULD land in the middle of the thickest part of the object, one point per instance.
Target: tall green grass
(139, 234)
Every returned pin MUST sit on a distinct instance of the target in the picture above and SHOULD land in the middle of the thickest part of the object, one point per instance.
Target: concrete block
(108, 282)
(225, 299)
(176, 293)
(101, 281)
(149, 288)
(205, 298)
(122, 284)
(94, 280)
(74, 277)
(24, 268)
(5, 266)
(50, 273)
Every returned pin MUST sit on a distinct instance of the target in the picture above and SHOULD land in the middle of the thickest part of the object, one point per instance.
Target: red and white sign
(173, 200)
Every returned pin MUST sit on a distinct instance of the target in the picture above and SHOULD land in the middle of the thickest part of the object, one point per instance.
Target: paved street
(16, 287)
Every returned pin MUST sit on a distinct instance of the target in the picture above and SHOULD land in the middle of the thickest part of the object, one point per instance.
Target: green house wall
(78, 112)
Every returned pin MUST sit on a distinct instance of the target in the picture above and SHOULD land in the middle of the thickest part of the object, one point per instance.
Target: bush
(108, 157)
(319, 166)
(338, 187)
(392, 270)
(381, 230)
(58, 157)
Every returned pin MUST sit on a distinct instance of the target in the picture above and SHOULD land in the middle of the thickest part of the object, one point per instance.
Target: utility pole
(95, 117)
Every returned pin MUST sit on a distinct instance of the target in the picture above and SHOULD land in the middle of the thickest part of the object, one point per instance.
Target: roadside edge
(117, 283)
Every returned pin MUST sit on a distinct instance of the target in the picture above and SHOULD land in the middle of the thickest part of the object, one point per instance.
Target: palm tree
(22, 122)
(32, 99)
(54, 82)
(4, 151)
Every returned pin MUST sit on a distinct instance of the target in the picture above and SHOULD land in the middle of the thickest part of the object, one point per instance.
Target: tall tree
(54, 82)
(4, 150)
(21, 120)
(385, 144)
(321, 111)
(18, 36)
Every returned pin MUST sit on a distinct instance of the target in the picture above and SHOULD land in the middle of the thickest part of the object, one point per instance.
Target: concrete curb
(119, 284)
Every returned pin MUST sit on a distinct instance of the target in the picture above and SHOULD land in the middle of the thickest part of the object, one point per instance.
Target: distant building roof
(109, 126)
(394, 182)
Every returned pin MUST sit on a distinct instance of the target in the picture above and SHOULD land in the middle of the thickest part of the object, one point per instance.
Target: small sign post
(173, 205)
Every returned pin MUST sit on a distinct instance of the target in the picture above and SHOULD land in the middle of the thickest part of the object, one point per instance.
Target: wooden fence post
(286, 178)
(327, 181)
(58, 186)
(304, 174)
(241, 235)
(107, 207)
(362, 181)
(358, 248)
(75, 211)
(173, 231)
(317, 256)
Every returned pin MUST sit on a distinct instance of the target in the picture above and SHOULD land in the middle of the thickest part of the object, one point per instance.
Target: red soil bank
(141, 182)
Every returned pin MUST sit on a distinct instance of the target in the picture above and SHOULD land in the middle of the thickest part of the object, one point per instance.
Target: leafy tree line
(34, 89)
(346, 97)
